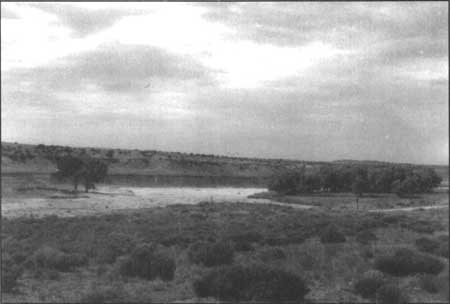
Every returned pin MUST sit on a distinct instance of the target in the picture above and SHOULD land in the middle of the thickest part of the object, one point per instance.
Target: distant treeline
(357, 179)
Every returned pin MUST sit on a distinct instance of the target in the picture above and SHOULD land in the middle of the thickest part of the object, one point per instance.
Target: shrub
(243, 246)
(286, 183)
(405, 262)
(211, 254)
(422, 226)
(276, 240)
(146, 262)
(272, 253)
(51, 258)
(367, 252)
(104, 294)
(390, 294)
(368, 285)
(255, 282)
(427, 245)
(243, 241)
(309, 260)
(331, 234)
(19, 257)
(443, 250)
(117, 244)
(429, 283)
(10, 272)
(366, 237)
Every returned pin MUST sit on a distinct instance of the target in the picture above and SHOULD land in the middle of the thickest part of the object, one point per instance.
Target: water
(108, 198)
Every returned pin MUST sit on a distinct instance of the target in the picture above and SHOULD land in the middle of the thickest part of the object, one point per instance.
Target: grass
(346, 201)
(330, 270)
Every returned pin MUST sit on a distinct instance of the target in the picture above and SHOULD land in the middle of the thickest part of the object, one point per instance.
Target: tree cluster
(357, 179)
(86, 170)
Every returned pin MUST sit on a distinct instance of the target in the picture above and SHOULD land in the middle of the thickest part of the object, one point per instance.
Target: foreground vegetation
(263, 252)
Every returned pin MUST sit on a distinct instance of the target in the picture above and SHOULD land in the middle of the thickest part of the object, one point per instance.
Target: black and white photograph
(225, 152)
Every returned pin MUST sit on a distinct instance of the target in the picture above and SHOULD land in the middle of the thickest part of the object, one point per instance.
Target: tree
(287, 182)
(81, 169)
(95, 171)
(405, 187)
(110, 153)
(359, 185)
(329, 178)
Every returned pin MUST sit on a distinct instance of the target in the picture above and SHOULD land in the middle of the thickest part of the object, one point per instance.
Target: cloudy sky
(312, 81)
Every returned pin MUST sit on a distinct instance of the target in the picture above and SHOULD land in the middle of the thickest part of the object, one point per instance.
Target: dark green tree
(359, 186)
(81, 169)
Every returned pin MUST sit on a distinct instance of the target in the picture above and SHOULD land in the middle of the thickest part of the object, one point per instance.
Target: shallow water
(107, 199)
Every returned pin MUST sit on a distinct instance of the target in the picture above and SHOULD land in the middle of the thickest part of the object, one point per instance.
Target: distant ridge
(40, 158)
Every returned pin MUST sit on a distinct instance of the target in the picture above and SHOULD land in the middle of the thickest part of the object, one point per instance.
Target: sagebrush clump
(255, 283)
(369, 283)
(427, 245)
(10, 273)
(272, 253)
(147, 262)
(390, 294)
(97, 293)
(51, 258)
(116, 244)
(405, 262)
(429, 283)
(244, 241)
(211, 254)
(332, 234)
(366, 237)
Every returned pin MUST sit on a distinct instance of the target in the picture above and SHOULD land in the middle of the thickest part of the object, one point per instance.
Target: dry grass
(347, 201)
(330, 270)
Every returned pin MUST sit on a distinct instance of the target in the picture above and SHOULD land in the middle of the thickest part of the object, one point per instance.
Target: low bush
(366, 237)
(429, 283)
(250, 236)
(422, 226)
(425, 244)
(405, 262)
(244, 241)
(276, 240)
(272, 253)
(332, 234)
(147, 262)
(390, 294)
(10, 272)
(211, 254)
(104, 294)
(51, 258)
(368, 285)
(116, 244)
(443, 250)
(367, 252)
(309, 260)
(255, 282)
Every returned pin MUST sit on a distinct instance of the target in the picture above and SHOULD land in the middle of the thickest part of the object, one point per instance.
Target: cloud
(82, 20)
(315, 81)
(113, 67)
(7, 13)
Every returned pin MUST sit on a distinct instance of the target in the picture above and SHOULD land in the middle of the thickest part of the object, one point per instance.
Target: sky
(310, 81)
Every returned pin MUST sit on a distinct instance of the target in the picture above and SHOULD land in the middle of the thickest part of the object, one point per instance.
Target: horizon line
(229, 156)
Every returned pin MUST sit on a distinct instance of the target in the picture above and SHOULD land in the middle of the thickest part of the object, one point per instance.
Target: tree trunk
(86, 185)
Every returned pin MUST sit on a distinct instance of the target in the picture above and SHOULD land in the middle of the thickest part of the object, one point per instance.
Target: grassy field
(347, 201)
(91, 249)
(200, 252)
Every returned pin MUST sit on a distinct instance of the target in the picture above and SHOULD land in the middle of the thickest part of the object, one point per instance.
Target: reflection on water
(186, 181)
